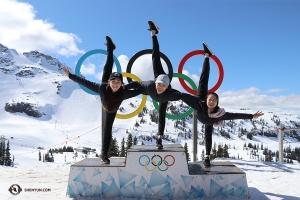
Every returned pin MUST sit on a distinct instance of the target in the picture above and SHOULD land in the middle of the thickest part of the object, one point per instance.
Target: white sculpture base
(150, 173)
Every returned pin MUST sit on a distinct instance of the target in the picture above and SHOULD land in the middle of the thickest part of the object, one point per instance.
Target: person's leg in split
(202, 93)
(158, 70)
(204, 77)
(109, 117)
(208, 144)
(107, 70)
(107, 135)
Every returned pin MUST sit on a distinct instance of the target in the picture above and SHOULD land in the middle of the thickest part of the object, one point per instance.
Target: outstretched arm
(66, 71)
(190, 100)
(133, 85)
(258, 114)
(88, 84)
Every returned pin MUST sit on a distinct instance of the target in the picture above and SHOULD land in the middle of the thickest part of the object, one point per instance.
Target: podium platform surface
(150, 173)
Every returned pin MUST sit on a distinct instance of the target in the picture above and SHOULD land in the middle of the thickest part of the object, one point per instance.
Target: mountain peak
(36, 56)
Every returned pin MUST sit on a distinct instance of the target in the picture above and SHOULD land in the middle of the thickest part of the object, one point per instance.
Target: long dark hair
(217, 106)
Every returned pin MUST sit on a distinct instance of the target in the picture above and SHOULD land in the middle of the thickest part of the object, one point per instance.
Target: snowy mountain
(43, 108)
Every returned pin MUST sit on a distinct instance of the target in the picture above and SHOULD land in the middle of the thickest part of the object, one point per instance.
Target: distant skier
(111, 93)
(207, 108)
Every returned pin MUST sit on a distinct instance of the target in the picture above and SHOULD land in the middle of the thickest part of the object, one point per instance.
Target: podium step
(150, 173)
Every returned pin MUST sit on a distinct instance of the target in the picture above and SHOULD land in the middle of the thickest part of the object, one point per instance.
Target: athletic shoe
(159, 142)
(206, 162)
(207, 50)
(153, 27)
(109, 43)
(104, 159)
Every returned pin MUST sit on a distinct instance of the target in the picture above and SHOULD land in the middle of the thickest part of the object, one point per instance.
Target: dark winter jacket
(148, 88)
(101, 89)
(202, 114)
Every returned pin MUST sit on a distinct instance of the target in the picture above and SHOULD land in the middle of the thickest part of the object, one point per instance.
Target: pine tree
(214, 152)
(134, 140)
(7, 155)
(1, 153)
(202, 155)
(129, 142)
(122, 152)
(187, 152)
(225, 152)
(113, 148)
(220, 151)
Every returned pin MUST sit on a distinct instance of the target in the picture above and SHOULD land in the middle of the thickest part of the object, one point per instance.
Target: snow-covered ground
(266, 180)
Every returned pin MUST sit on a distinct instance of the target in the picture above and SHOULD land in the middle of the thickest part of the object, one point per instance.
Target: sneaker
(153, 27)
(159, 142)
(207, 50)
(206, 162)
(104, 159)
(109, 43)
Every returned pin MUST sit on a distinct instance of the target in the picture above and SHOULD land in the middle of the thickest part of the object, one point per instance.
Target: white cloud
(88, 69)
(275, 90)
(19, 29)
(253, 98)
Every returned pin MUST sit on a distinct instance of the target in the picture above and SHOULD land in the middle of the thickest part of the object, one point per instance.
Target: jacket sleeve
(133, 85)
(174, 95)
(88, 84)
(231, 116)
(131, 93)
(190, 100)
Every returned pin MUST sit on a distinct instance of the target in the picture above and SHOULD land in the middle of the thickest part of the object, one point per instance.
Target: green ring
(190, 110)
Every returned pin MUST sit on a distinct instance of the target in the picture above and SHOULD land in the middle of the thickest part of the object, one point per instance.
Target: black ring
(149, 51)
(158, 162)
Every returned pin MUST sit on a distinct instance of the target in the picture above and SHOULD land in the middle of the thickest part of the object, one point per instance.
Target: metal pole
(280, 139)
(195, 137)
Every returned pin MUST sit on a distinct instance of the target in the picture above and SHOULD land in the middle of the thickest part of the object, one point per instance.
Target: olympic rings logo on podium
(182, 77)
(156, 162)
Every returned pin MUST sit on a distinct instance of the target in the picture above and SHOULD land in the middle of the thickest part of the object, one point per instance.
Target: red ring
(172, 162)
(214, 58)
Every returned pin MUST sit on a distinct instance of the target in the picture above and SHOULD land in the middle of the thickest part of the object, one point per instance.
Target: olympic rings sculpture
(179, 75)
(156, 164)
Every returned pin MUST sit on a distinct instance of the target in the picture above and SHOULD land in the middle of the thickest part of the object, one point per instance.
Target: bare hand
(258, 114)
(66, 71)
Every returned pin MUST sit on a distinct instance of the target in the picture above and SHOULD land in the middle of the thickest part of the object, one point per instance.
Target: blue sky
(256, 41)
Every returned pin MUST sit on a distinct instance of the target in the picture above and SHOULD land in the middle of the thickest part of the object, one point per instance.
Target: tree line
(5, 157)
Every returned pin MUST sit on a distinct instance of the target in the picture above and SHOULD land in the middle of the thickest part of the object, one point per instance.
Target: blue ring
(87, 54)
(146, 162)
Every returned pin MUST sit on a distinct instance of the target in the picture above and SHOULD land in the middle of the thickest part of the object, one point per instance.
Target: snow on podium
(150, 173)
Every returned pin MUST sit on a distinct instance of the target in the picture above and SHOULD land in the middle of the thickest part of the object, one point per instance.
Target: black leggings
(158, 70)
(109, 120)
(109, 117)
(107, 70)
(202, 93)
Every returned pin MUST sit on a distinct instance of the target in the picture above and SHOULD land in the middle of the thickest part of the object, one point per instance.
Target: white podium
(150, 173)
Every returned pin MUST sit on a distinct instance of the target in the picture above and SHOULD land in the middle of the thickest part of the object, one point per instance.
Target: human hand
(258, 114)
(66, 71)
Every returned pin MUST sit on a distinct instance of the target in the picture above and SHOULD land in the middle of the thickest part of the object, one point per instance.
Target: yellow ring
(147, 162)
(143, 103)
